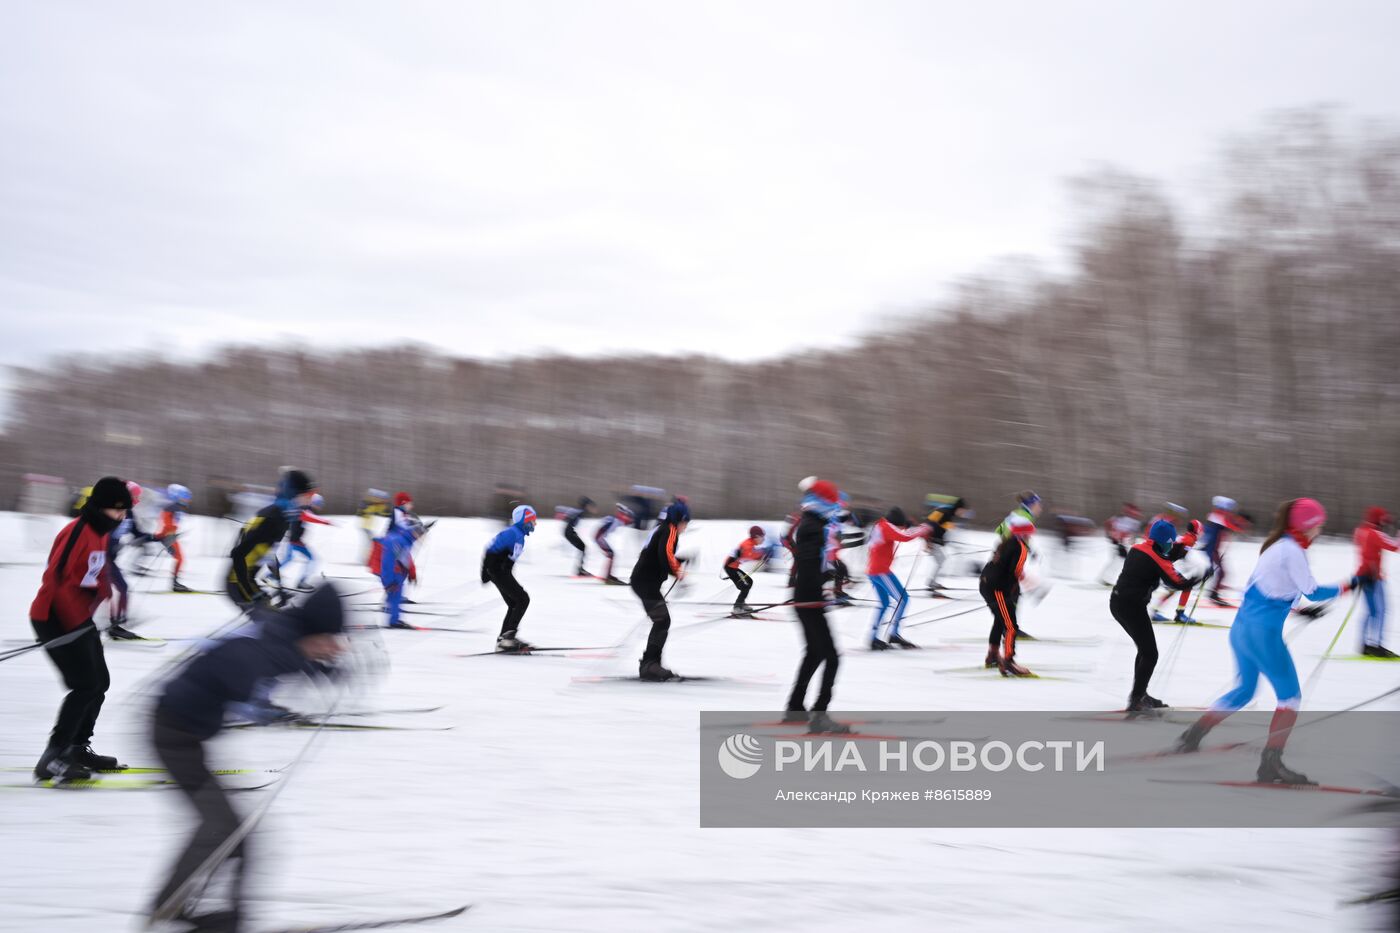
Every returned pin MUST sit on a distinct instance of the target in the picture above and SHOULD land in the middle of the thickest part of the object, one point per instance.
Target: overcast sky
(499, 178)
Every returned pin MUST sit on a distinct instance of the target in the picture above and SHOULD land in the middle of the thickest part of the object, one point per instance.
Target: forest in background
(1249, 352)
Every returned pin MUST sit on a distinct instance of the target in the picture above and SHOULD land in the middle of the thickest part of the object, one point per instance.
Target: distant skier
(894, 599)
(394, 555)
(751, 550)
(1188, 532)
(1122, 531)
(177, 503)
(127, 533)
(944, 512)
(655, 564)
(259, 537)
(498, 567)
(820, 505)
(1148, 563)
(571, 517)
(373, 506)
(76, 581)
(191, 711)
(1221, 523)
(1000, 586)
(1371, 543)
(1256, 637)
(621, 518)
(296, 540)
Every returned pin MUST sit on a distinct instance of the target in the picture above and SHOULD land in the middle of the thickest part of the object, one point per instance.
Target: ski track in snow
(554, 805)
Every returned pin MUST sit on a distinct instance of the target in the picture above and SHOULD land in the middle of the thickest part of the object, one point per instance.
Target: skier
(894, 599)
(259, 537)
(750, 549)
(570, 517)
(1148, 563)
(392, 557)
(621, 518)
(498, 567)
(1122, 531)
(128, 532)
(1000, 586)
(1028, 507)
(374, 506)
(1188, 532)
(1371, 541)
(820, 505)
(76, 581)
(191, 711)
(1220, 523)
(655, 563)
(943, 515)
(1256, 638)
(296, 544)
(177, 503)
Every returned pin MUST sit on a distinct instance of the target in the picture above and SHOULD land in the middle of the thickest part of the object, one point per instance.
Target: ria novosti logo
(740, 756)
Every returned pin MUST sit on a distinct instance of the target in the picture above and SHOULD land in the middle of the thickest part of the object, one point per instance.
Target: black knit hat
(320, 614)
(896, 516)
(109, 493)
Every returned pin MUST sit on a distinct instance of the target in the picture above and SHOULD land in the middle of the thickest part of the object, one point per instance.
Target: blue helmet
(676, 513)
(1162, 533)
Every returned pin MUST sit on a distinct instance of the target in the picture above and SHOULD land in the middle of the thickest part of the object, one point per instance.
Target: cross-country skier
(128, 532)
(1147, 564)
(1188, 531)
(1122, 531)
(571, 517)
(296, 540)
(894, 599)
(1371, 543)
(373, 506)
(498, 567)
(620, 518)
(76, 581)
(820, 505)
(1000, 586)
(259, 537)
(191, 711)
(943, 515)
(1220, 524)
(392, 555)
(655, 564)
(1256, 637)
(177, 503)
(750, 550)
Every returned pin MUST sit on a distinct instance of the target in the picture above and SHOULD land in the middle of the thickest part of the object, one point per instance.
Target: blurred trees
(1249, 353)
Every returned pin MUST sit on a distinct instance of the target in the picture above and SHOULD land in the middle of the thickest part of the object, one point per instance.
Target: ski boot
(1158, 617)
(1144, 706)
(509, 644)
(1272, 770)
(1182, 618)
(614, 581)
(1190, 740)
(841, 600)
(822, 724)
(742, 611)
(54, 765)
(1009, 668)
(118, 631)
(653, 671)
(878, 645)
(85, 757)
(177, 587)
(993, 658)
(902, 642)
(795, 715)
(1377, 651)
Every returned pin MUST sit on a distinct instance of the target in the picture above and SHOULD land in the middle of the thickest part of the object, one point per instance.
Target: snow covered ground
(561, 804)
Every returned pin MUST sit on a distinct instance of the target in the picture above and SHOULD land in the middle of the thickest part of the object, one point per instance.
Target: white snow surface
(560, 805)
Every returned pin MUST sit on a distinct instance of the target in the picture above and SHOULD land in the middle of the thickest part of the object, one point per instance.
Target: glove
(413, 574)
(485, 576)
(1315, 611)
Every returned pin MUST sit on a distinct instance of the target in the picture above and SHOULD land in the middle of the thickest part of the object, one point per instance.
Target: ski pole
(1317, 669)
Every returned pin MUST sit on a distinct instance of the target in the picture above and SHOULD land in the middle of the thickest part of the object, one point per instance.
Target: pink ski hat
(1306, 514)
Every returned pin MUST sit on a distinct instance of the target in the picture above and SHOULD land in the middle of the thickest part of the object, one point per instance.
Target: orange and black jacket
(1007, 566)
(261, 534)
(658, 558)
(1143, 570)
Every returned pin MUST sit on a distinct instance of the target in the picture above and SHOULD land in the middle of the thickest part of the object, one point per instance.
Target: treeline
(1250, 352)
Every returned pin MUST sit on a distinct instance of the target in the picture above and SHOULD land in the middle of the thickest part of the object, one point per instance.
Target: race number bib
(96, 561)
